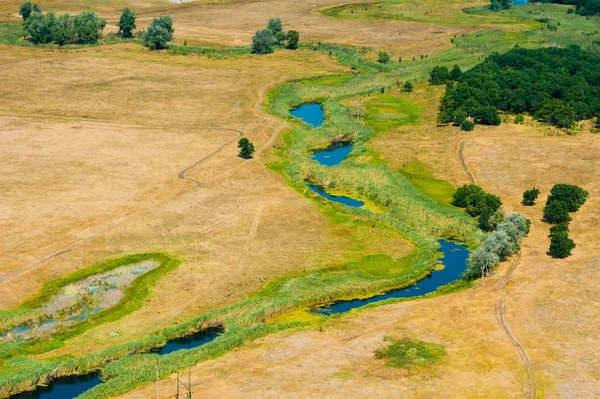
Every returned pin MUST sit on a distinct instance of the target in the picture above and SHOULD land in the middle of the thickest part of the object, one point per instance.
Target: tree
(88, 27)
(25, 10)
(293, 38)
(486, 116)
(263, 42)
(459, 117)
(455, 73)
(571, 195)
(439, 75)
(519, 119)
(63, 30)
(559, 228)
(408, 87)
(246, 148)
(475, 200)
(40, 27)
(467, 125)
(126, 23)
(558, 113)
(159, 32)
(556, 212)
(560, 245)
(498, 5)
(276, 26)
(530, 196)
(36, 8)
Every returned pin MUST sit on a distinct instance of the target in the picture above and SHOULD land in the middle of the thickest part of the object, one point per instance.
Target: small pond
(191, 341)
(520, 2)
(334, 154)
(454, 262)
(63, 387)
(337, 198)
(311, 113)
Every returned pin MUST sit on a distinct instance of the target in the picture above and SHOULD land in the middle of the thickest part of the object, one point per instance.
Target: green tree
(519, 119)
(36, 8)
(88, 27)
(159, 32)
(558, 113)
(25, 10)
(383, 57)
(467, 125)
(40, 27)
(556, 212)
(560, 245)
(571, 195)
(486, 116)
(276, 26)
(293, 39)
(439, 75)
(408, 87)
(63, 30)
(126, 23)
(455, 73)
(559, 228)
(498, 5)
(246, 148)
(263, 42)
(530, 196)
(459, 117)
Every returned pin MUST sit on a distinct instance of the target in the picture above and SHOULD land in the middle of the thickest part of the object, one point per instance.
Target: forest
(555, 85)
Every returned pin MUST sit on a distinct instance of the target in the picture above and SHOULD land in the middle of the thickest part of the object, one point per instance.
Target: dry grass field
(550, 303)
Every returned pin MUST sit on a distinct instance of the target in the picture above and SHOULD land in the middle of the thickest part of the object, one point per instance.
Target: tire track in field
(181, 175)
(500, 310)
(461, 158)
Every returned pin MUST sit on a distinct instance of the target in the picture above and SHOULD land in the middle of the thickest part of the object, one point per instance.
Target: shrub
(159, 32)
(459, 117)
(560, 245)
(25, 10)
(276, 26)
(88, 27)
(383, 57)
(556, 212)
(408, 87)
(263, 42)
(519, 119)
(455, 73)
(486, 116)
(530, 196)
(559, 228)
(475, 200)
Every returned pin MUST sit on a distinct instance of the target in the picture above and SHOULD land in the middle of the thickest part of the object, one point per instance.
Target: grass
(409, 354)
(420, 176)
(385, 112)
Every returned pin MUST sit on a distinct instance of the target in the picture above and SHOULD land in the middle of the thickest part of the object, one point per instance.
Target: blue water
(454, 261)
(311, 113)
(333, 155)
(337, 198)
(191, 341)
(520, 2)
(63, 388)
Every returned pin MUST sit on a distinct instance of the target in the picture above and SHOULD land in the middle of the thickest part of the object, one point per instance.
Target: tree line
(555, 85)
(582, 7)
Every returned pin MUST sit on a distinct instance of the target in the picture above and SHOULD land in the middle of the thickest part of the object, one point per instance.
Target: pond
(334, 154)
(454, 262)
(520, 2)
(191, 341)
(63, 387)
(311, 113)
(340, 199)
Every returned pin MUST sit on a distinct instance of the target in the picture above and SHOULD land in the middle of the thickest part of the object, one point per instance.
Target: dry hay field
(551, 305)
(114, 150)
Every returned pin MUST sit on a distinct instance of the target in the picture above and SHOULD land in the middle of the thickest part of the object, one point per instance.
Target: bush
(519, 119)
(126, 23)
(560, 245)
(459, 117)
(383, 57)
(25, 10)
(475, 200)
(573, 196)
(530, 196)
(499, 5)
(159, 32)
(408, 87)
(88, 27)
(455, 73)
(559, 228)
(276, 26)
(556, 212)
(263, 42)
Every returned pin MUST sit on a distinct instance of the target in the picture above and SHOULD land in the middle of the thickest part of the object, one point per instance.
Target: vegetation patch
(410, 354)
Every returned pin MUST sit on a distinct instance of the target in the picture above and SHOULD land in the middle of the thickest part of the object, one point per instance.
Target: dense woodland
(556, 85)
